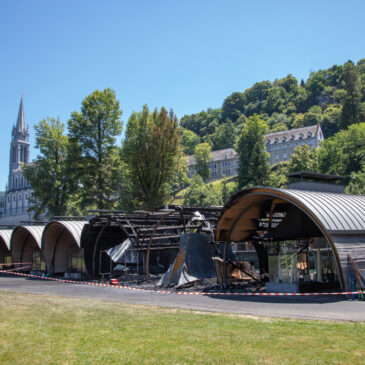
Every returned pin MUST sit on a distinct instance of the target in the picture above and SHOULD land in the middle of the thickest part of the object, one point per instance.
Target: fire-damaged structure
(139, 243)
(304, 240)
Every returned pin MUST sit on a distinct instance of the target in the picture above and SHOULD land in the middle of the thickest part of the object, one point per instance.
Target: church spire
(20, 124)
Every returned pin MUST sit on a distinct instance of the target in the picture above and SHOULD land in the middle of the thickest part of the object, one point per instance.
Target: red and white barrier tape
(182, 292)
(17, 268)
(16, 263)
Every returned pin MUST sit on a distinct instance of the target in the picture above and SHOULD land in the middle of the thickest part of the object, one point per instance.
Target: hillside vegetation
(334, 98)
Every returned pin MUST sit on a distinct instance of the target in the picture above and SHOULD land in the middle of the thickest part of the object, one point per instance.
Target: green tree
(253, 158)
(303, 158)
(224, 136)
(344, 153)
(152, 153)
(352, 109)
(202, 123)
(277, 177)
(202, 195)
(255, 97)
(233, 107)
(225, 192)
(357, 183)
(94, 130)
(49, 175)
(189, 140)
(203, 156)
(330, 121)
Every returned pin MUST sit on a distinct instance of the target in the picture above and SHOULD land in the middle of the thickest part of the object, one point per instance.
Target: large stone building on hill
(18, 189)
(279, 145)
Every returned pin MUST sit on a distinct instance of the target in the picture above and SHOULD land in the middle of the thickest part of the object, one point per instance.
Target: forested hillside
(335, 98)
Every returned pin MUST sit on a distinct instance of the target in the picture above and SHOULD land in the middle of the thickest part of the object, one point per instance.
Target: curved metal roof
(5, 234)
(74, 227)
(340, 217)
(35, 231)
(337, 212)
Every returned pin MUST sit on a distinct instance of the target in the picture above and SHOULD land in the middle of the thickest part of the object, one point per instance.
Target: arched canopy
(25, 240)
(60, 241)
(339, 217)
(5, 235)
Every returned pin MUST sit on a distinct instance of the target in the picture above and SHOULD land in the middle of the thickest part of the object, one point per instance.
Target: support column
(18, 154)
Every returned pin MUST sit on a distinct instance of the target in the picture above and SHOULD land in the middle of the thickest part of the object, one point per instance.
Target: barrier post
(352, 283)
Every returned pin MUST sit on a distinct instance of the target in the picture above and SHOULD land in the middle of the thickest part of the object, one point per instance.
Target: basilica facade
(18, 190)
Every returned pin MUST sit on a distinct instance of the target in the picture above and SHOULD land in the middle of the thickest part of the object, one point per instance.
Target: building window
(20, 197)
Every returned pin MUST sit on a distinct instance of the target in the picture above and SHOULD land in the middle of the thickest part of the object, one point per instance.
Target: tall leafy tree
(189, 141)
(94, 130)
(344, 153)
(233, 106)
(203, 156)
(202, 123)
(303, 158)
(253, 158)
(152, 153)
(353, 109)
(202, 195)
(49, 175)
(224, 136)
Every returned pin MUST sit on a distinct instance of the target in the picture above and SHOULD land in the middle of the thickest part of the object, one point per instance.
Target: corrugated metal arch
(24, 241)
(337, 215)
(5, 235)
(59, 239)
(35, 231)
(75, 228)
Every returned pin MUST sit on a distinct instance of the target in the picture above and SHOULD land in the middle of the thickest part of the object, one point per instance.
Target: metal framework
(340, 218)
(149, 231)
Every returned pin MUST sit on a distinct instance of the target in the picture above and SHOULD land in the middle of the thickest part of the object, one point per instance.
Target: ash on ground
(204, 285)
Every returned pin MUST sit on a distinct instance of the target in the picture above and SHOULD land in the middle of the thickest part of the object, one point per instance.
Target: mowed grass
(36, 329)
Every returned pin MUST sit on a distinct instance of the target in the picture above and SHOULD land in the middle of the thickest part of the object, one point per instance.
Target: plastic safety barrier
(259, 294)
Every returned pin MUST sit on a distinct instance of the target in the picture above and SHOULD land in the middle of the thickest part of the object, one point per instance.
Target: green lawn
(37, 329)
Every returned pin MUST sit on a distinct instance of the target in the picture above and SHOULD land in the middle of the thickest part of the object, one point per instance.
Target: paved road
(323, 308)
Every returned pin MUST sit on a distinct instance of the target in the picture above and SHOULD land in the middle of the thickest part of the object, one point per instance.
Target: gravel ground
(323, 308)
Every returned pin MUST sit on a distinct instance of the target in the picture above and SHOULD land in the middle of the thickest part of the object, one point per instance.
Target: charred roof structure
(304, 239)
(152, 238)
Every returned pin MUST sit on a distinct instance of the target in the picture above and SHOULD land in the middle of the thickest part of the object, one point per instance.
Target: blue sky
(187, 55)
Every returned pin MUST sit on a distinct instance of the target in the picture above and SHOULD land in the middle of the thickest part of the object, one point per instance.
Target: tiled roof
(278, 137)
(220, 155)
(291, 135)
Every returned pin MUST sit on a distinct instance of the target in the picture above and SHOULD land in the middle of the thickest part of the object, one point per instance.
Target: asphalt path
(335, 308)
